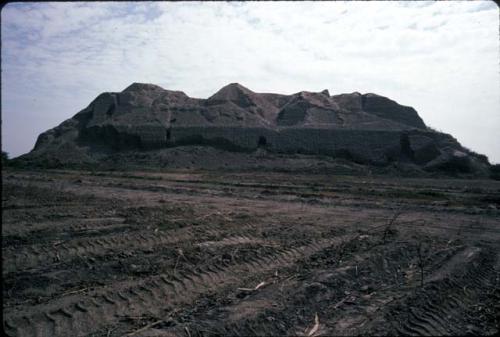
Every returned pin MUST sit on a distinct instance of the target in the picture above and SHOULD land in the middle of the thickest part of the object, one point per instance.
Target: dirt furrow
(25, 258)
(103, 254)
(67, 226)
(444, 304)
(142, 295)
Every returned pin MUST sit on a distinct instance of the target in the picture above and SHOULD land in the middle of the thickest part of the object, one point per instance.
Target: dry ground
(205, 254)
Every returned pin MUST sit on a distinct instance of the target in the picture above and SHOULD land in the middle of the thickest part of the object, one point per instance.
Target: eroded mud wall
(375, 146)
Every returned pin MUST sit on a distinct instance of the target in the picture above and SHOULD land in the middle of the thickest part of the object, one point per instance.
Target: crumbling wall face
(109, 137)
(363, 146)
(151, 136)
(103, 107)
(423, 148)
(240, 137)
(386, 108)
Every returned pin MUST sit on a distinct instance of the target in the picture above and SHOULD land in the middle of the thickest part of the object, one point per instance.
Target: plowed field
(239, 254)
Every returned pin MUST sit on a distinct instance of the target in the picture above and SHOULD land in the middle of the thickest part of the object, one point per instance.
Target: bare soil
(185, 253)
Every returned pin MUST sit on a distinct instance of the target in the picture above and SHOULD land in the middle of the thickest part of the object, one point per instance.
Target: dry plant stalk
(389, 225)
(261, 284)
(421, 264)
(144, 328)
(315, 328)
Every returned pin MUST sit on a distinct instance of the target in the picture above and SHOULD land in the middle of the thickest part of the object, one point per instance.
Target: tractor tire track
(66, 226)
(151, 295)
(446, 302)
(44, 255)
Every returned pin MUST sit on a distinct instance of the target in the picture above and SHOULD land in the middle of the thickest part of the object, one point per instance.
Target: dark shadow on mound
(262, 142)
(107, 138)
(217, 142)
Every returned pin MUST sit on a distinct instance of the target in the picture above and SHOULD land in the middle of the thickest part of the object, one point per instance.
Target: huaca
(366, 129)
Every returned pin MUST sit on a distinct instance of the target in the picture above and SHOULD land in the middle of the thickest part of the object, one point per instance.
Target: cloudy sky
(442, 58)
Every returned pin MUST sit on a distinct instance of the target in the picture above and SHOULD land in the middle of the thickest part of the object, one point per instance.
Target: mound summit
(366, 129)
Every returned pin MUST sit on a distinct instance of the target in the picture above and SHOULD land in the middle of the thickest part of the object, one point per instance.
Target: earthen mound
(364, 128)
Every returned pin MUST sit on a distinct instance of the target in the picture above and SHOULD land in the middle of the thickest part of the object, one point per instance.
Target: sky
(442, 58)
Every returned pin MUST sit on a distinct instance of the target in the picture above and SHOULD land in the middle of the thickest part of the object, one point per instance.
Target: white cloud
(440, 57)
